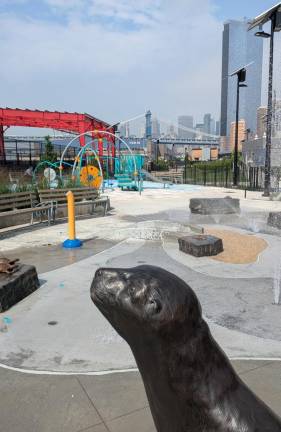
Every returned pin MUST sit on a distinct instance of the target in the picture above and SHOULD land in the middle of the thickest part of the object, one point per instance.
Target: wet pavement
(51, 257)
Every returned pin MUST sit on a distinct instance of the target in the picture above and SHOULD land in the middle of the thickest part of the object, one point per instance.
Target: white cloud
(171, 64)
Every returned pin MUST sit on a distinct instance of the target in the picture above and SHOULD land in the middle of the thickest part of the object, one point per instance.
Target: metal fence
(251, 178)
(30, 153)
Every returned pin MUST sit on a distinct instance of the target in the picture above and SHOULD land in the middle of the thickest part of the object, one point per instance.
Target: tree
(49, 155)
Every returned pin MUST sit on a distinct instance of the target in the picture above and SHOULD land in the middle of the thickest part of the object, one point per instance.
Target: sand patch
(238, 248)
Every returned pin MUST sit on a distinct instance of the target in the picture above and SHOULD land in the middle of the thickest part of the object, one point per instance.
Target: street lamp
(185, 164)
(241, 78)
(157, 151)
(274, 16)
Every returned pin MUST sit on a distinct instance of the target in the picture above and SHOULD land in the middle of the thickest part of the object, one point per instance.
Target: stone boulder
(201, 245)
(211, 206)
(274, 220)
(18, 285)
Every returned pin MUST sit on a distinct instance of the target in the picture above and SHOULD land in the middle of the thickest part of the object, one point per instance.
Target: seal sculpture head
(190, 384)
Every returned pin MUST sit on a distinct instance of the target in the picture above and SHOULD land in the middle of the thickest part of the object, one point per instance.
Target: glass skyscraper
(240, 47)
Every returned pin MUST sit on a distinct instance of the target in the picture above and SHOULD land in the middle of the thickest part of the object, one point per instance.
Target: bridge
(188, 142)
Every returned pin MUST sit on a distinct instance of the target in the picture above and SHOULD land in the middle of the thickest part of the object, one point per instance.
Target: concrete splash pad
(151, 230)
(82, 341)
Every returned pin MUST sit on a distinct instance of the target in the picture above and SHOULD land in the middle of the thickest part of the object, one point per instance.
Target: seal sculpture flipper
(190, 384)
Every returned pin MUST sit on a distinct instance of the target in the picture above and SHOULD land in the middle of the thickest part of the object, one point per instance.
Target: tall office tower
(148, 126)
(155, 125)
(172, 132)
(200, 130)
(276, 120)
(241, 135)
(261, 121)
(185, 122)
(240, 48)
(122, 130)
(127, 135)
(213, 127)
(207, 123)
(218, 128)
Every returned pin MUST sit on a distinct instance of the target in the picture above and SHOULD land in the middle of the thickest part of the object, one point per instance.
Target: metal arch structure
(94, 133)
(63, 121)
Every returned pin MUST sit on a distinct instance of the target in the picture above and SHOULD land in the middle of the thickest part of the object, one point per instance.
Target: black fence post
(205, 175)
(30, 156)
(17, 153)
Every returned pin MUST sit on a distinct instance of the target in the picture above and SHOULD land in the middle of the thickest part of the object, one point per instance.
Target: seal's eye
(131, 291)
(153, 306)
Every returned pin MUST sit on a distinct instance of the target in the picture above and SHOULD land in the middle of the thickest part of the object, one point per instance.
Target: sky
(116, 59)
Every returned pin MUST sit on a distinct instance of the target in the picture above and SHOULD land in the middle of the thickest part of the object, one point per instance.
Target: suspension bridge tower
(148, 134)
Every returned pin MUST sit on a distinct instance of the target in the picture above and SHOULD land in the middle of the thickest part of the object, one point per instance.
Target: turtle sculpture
(7, 265)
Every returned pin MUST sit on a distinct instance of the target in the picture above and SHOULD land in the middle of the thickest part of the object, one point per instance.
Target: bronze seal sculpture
(190, 384)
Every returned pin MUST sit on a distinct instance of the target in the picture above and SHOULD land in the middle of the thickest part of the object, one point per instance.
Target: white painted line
(56, 373)
(114, 371)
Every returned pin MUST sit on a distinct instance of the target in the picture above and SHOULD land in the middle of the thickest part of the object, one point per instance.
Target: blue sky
(115, 59)
(242, 8)
(48, 10)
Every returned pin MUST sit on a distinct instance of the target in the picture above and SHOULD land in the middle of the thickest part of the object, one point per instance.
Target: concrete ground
(55, 377)
(111, 403)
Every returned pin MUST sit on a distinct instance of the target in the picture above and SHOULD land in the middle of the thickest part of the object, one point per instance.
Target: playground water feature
(113, 184)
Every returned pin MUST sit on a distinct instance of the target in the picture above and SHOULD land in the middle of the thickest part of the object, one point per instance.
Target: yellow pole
(72, 242)
(71, 215)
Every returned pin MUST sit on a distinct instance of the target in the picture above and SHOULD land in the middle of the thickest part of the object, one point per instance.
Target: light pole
(267, 166)
(157, 151)
(185, 164)
(274, 16)
(241, 78)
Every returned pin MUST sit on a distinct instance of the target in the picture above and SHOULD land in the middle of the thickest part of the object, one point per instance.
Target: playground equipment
(128, 166)
(72, 242)
(87, 175)
(49, 172)
(88, 168)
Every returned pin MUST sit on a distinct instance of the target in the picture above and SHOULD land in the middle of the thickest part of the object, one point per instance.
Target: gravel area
(238, 248)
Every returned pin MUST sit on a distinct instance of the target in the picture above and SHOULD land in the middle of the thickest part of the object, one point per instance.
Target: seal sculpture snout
(106, 285)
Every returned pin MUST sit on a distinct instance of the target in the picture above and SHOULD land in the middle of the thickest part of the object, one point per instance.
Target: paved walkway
(112, 403)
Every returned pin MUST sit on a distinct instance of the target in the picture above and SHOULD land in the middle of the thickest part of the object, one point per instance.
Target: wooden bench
(22, 204)
(82, 196)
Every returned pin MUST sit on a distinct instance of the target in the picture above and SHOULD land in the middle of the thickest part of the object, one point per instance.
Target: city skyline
(88, 56)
